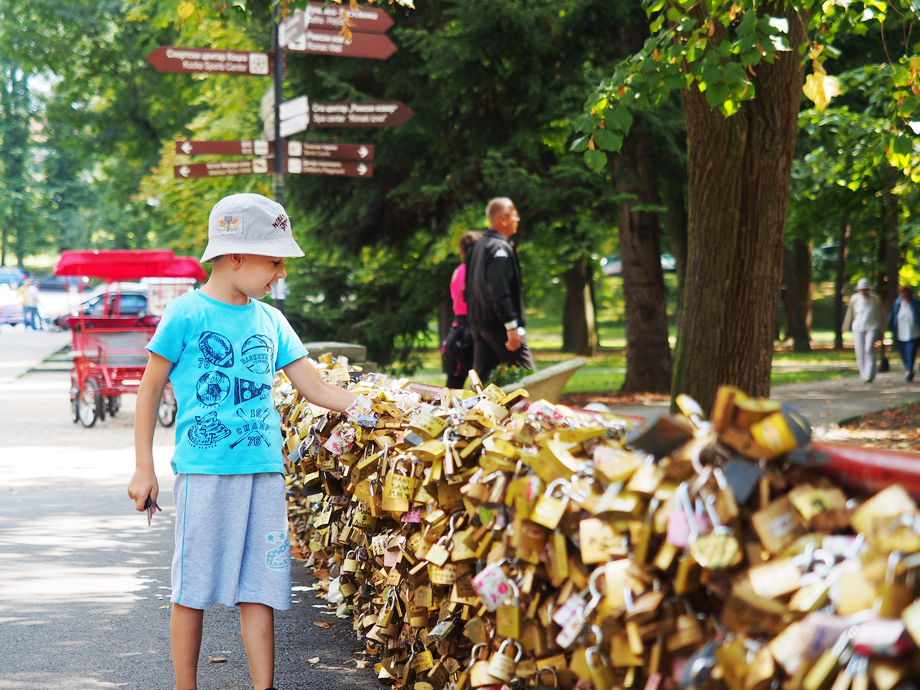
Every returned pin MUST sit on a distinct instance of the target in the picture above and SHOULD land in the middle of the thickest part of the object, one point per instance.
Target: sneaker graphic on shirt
(208, 431)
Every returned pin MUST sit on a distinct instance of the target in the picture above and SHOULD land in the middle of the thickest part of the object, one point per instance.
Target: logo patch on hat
(281, 222)
(229, 224)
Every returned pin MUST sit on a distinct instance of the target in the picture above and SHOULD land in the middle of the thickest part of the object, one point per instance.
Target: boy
(220, 349)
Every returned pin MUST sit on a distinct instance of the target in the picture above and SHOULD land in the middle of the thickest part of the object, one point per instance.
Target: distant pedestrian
(457, 348)
(864, 316)
(904, 324)
(30, 314)
(494, 294)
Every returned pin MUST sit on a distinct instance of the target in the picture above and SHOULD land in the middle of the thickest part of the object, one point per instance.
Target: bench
(547, 384)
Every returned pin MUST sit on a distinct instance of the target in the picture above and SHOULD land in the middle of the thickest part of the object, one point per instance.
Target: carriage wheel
(113, 404)
(168, 408)
(89, 403)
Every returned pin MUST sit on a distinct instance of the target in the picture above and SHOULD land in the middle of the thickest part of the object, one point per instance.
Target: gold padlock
(501, 665)
(509, 617)
(479, 668)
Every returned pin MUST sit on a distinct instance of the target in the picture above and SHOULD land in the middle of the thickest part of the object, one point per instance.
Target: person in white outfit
(864, 316)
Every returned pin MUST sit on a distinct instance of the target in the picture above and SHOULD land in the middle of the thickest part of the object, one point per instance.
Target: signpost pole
(279, 93)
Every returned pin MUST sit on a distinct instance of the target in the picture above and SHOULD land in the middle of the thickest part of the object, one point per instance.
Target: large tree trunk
(840, 281)
(579, 328)
(648, 354)
(739, 187)
(797, 294)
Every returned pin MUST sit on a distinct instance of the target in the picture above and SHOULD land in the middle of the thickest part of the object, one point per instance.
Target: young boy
(220, 348)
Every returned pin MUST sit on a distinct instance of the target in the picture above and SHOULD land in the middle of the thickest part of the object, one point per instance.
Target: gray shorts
(232, 541)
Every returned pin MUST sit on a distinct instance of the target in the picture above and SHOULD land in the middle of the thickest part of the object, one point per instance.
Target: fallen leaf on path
(217, 659)
(361, 663)
(322, 624)
(314, 660)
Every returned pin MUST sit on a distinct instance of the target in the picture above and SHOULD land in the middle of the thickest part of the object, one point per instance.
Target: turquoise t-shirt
(224, 362)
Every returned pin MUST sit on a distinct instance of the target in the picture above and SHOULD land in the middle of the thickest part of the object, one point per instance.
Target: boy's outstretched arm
(149, 393)
(308, 381)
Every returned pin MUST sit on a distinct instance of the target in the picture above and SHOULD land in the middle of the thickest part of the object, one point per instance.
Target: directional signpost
(367, 20)
(374, 46)
(295, 149)
(189, 60)
(296, 166)
(359, 114)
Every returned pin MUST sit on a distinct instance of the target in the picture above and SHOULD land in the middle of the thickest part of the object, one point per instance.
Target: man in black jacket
(494, 298)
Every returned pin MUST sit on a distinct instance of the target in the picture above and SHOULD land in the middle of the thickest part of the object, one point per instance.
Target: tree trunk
(892, 248)
(648, 354)
(840, 281)
(739, 187)
(579, 328)
(797, 294)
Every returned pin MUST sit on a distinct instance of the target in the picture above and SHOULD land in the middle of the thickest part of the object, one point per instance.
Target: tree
(739, 68)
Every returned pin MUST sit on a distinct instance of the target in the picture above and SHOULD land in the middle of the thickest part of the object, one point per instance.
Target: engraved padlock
(503, 666)
(551, 506)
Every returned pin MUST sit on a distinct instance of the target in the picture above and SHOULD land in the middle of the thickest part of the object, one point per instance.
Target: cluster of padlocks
(484, 540)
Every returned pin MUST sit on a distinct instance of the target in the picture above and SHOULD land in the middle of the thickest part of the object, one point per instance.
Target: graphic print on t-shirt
(244, 390)
(258, 353)
(208, 430)
(216, 349)
(212, 388)
(251, 428)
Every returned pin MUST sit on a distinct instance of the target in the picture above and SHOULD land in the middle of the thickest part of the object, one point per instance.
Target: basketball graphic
(258, 354)
(212, 388)
(216, 349)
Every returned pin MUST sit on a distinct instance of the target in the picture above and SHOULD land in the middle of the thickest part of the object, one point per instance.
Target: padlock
(501, 665)
(602, 674)
(551, 506)
(509, 617)
(896, 595)
(350, 564)
(479, 675)
(398, 489)
(492, 585)
(440, 552)
(688, 633)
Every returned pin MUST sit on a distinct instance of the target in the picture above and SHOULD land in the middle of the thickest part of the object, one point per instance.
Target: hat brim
(284, 247)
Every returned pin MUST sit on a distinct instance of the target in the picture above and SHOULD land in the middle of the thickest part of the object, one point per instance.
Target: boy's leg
(185, 636)
(257, 623)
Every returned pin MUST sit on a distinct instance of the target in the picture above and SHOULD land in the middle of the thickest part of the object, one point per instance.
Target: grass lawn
(605, 373)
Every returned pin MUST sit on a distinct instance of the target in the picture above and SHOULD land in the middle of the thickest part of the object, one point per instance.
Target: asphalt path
(84, 582)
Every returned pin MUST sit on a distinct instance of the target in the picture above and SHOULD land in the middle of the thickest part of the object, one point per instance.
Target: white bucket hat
(862, 284)
(249, 224)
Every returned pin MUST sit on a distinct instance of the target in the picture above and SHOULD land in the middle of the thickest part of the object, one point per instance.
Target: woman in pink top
(457, 348)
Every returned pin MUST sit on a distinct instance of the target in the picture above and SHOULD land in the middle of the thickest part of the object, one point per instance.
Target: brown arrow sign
(188, 60)
(222, 168)
(372, 46)
(359, 114)
(364, 19)
(224, 148)
(295, 149)
(297, 166)
(310, 166)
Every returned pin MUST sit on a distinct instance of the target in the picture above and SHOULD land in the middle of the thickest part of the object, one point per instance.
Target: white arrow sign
(362, 169)
(187, 147)
(363, 152)
(185, 170)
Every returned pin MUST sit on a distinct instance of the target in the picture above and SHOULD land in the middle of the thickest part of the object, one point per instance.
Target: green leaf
(656, 25)
(580, 144)
(748, 22)
(596, 160)
(607, 140)
(674, 14)
(620, 119)
(717, 94)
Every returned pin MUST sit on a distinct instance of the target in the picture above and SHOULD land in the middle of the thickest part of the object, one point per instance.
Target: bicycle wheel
(168, 408)
(88, 403)
(74, 399)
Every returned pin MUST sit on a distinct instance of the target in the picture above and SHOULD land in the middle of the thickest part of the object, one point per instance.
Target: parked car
(10, 305)
(53, 283)
(13, 276)
(613, 266)
(128, 299)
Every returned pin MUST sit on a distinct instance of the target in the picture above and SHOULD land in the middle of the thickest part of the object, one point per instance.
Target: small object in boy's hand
(151, 508)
